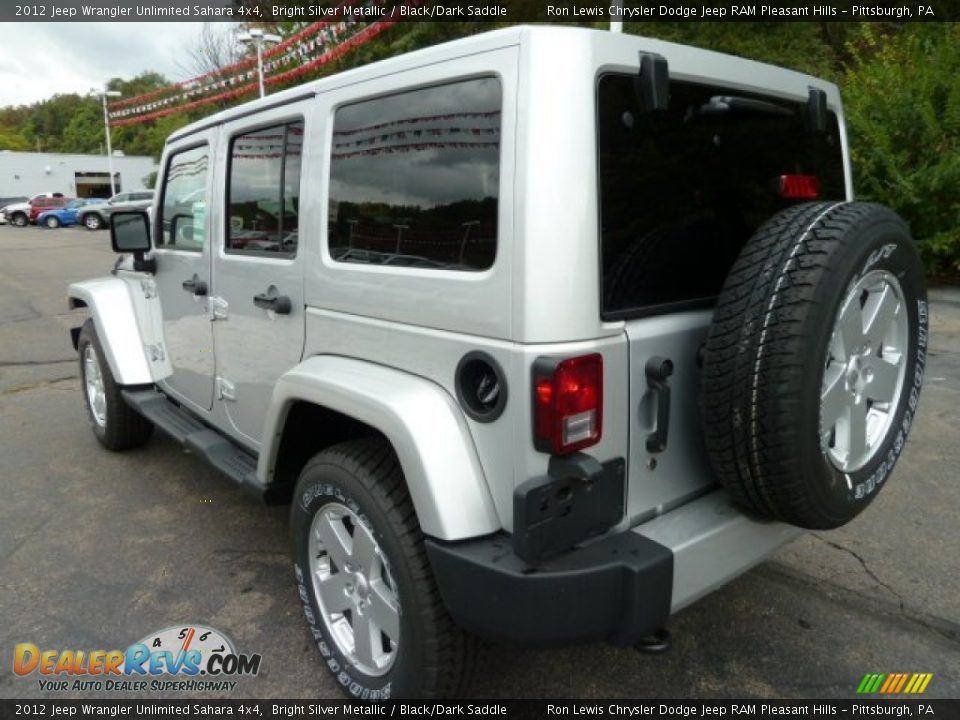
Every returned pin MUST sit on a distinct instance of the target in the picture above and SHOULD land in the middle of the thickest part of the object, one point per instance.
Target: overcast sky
(38, 60)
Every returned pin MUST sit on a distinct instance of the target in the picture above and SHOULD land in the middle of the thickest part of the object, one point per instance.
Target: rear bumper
(617, 589)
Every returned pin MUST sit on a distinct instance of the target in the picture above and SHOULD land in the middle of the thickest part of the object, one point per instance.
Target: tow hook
(657, 642)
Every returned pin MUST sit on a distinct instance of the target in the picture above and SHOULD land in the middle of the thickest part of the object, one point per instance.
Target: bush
(902, 100)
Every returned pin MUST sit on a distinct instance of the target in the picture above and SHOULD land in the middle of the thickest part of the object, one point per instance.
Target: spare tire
(813, 364)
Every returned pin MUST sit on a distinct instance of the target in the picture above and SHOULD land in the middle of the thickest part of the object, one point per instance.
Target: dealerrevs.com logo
(181, 657)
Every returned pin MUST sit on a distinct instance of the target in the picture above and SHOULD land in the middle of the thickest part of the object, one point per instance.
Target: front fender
(421, 421)
(115, 318)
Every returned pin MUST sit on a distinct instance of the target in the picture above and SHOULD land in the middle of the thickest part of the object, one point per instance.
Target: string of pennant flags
(421, 119)
(416, 147)
(314, 46)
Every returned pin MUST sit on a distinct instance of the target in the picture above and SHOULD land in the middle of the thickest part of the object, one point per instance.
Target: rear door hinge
(218, 307)
(226, 390)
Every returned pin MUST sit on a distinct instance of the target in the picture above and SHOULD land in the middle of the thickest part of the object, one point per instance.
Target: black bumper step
(180, 424)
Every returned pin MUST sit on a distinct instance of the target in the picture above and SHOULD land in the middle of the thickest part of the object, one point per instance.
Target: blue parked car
(66, 215)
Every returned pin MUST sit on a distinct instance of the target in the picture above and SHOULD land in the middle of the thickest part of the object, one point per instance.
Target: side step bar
(227, 457)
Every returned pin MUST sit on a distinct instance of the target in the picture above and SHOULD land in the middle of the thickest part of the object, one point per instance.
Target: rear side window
(414, 179)
(682, 190)
(183, 214)
(264, 190)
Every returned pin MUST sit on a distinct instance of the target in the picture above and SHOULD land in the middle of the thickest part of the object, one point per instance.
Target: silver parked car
(96, 217)
(544, 334)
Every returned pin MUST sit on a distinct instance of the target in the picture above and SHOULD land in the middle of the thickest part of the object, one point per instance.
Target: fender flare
(421, 421)
(112, 310)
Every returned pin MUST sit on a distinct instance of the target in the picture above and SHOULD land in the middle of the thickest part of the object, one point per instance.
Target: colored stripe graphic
(903, 679)
(894, 683)
(870, 683)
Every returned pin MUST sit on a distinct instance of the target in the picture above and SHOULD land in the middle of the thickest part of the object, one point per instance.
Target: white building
(30, 173)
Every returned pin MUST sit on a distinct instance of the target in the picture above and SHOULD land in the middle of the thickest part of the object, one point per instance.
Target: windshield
(682, 190)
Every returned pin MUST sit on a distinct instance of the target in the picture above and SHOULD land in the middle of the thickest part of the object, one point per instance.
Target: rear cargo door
(681, 192)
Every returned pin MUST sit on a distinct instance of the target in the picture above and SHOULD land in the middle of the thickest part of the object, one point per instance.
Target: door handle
(195, 285)
(657, 370)
(272, 300)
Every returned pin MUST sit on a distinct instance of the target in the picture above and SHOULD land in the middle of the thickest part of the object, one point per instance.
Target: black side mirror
(130, 233)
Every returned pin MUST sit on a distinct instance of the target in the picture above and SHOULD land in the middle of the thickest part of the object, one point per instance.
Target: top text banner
(561, 11)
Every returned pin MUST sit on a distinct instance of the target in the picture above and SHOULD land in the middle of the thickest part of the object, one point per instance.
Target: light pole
(617, 25)
(258, 37)
(103, 95)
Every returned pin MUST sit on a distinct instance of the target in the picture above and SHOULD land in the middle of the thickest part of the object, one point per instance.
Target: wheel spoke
(331, 532)
(835, 399)
(383, 609)
(363, 638)
(856, 431)
(880, 311)
(99, 405)
(884, 382)
(333, 592)
(364, 551)
(850, 325)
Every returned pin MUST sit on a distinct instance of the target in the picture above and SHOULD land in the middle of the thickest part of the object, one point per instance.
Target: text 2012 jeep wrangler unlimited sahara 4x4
(544, 333)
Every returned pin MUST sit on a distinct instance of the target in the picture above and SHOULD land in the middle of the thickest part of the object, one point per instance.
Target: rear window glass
(414, 179)
(682, 190)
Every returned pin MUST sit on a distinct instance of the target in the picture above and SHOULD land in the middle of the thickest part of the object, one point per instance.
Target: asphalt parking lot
(98, 549)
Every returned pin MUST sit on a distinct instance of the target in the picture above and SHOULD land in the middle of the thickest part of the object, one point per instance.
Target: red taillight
(567, 403)
(799, 187)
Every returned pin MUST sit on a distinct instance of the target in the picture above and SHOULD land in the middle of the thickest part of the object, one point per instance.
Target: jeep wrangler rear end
(545, 333)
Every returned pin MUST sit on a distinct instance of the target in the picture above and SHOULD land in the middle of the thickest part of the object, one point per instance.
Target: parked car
(583, 326)
(7, 202)
(68, 214)
(18, 214)
(95, 217)
(39, 206)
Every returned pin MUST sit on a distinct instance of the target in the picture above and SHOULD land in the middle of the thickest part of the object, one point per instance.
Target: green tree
(11, 139)
(902, 100)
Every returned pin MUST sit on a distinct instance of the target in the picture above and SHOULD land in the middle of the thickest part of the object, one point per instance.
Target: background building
(28, 173)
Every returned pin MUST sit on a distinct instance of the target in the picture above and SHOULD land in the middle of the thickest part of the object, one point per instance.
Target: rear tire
(814, 362)
(52, 222)
(116, 425)
(356, 539)
(19, 220)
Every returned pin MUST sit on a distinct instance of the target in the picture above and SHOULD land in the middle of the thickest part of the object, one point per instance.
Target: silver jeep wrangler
(543, 334)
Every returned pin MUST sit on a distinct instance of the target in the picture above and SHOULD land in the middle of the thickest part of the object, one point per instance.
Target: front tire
(92, 221)
(116, 425)
(52, 222)
(365, 581)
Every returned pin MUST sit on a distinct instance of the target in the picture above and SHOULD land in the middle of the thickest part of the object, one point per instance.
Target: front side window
(264, 190)
(183, 213)
(415, 177)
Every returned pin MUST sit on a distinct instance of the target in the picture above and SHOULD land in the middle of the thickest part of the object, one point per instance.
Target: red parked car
(42, 204)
